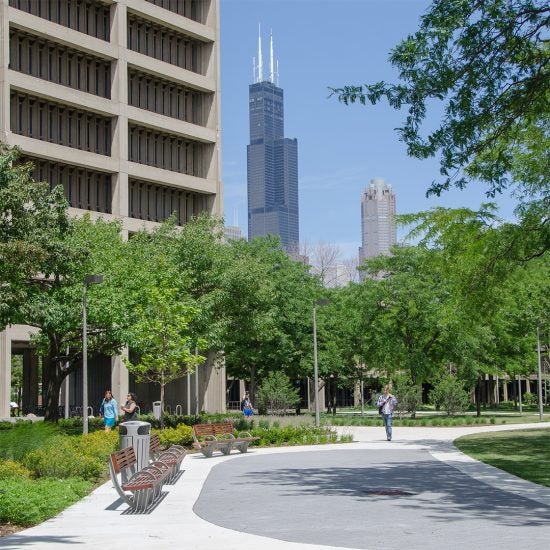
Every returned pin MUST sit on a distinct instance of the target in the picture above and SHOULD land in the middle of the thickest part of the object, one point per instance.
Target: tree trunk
(54, 377)
(478, 395)
(252, 388)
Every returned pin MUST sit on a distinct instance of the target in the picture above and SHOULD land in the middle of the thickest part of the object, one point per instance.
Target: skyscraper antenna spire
(260, 61)
(271, 73)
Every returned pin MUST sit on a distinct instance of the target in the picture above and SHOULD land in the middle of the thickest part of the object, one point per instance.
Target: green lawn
(524, 453)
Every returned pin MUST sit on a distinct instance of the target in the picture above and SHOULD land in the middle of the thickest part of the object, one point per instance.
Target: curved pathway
(415, 492)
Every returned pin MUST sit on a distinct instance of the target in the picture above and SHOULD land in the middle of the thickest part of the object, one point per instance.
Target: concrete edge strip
(493, 476)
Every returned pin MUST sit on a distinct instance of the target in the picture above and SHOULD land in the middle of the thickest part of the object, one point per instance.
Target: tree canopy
(487, 63)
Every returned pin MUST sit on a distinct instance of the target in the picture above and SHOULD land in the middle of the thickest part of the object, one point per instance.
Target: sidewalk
(280, 486)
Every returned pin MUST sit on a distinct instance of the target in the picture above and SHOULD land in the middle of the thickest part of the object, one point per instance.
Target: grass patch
(524, 453)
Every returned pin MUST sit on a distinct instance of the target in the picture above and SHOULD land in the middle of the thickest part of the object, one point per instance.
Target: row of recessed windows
(60, 64)
(86, 16)
(166, 151)
(164, 44)
(56, 123)
(79, 129)
(82, 188)
(68, 67)
(166, 98)
(149, 201)
(192, 9)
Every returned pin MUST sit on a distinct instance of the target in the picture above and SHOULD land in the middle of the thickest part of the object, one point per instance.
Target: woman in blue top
(109, 411)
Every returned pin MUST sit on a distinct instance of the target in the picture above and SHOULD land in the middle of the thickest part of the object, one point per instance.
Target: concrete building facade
(118, 101)
(378, 229)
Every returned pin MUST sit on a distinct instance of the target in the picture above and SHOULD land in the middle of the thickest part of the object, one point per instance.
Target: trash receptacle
(156, 409)
(136, 434)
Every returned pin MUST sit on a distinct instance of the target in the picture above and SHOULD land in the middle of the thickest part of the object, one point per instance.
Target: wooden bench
(172, 457)
(219, 436)
(138, 488)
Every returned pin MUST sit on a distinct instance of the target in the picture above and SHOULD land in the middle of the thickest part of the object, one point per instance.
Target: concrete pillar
(119, 378)
(5, 373)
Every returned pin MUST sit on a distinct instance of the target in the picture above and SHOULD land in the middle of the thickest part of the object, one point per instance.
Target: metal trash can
(156, 409)
(136, 434)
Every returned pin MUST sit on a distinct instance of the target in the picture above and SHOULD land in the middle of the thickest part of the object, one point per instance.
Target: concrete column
(4, 78)
(119, 378)
(212, 376)
(5, 373)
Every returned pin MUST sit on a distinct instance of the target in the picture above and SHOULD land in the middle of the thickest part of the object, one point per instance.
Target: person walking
(246, 405)
(386, 406)
(109, 411)
(129, 408)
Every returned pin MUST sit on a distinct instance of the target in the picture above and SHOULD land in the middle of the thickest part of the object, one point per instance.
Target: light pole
(319, 302)
(541, 408)
(88, 280)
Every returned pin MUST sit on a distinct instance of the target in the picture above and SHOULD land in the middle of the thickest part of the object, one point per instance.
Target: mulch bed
(9, 529)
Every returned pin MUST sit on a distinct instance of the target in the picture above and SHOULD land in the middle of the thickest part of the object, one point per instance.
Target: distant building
(339, 275)
(272, 162)
(378, 230)
(232, 233)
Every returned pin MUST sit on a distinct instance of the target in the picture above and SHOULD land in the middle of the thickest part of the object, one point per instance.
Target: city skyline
(341, 148)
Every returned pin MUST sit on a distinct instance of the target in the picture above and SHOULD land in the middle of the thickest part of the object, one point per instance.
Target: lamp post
(88, 280)
(541, 408)
(319, 302)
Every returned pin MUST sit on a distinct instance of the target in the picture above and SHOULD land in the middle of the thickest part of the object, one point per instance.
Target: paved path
(329, 496)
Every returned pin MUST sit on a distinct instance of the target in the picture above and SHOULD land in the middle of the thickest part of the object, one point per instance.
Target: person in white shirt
(386, 405)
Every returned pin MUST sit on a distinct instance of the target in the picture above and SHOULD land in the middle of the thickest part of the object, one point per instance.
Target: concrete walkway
(415, 492)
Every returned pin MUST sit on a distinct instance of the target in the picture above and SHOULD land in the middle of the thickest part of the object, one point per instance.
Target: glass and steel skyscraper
(272, 163)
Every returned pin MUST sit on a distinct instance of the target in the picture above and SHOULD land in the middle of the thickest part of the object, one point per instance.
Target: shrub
(529, 399)
(277, 394)
(409, 396)
(12, 469)
(28, 502)
(449, 394)
(62, 459)
(295, 435)
(181, 435)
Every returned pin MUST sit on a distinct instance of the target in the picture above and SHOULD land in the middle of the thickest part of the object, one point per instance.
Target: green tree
(487, 62)
(267, 300)
(160, 336)
(53, 303)
(276, 393)
(449, 394)
(33, 224)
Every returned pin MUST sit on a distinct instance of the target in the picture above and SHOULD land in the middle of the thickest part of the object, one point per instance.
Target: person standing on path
(109, 411)
(246, 405)
(129, 408)
(386, 406)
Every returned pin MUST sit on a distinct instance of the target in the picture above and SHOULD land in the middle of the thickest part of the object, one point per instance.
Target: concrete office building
(118, 102)
(378, 230)
(272, 162)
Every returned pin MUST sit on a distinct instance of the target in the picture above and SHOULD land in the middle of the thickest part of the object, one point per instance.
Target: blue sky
(321, 44)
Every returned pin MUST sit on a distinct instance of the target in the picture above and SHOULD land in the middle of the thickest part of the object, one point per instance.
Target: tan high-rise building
(378, 230)
(119, 102)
